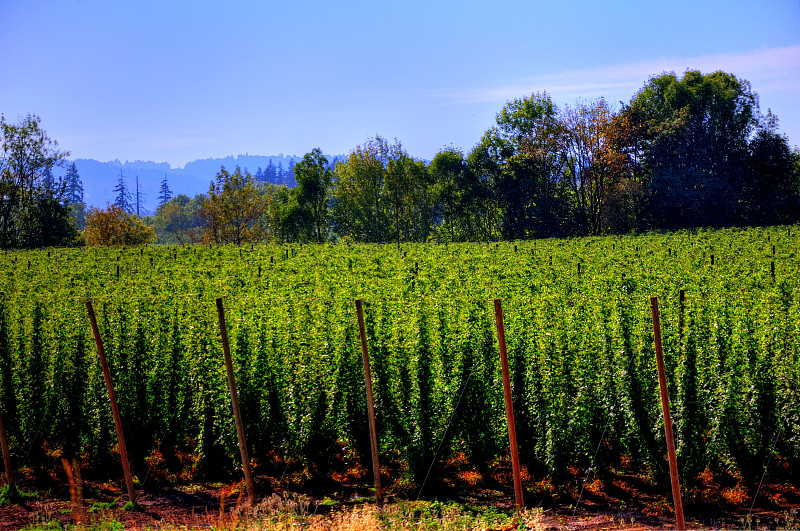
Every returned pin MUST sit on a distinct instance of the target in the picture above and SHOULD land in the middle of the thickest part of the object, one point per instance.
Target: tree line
(684, 152)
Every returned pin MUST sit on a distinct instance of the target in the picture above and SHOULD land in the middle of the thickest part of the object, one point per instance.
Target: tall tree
(31, 215)
(771, 191)
(123, 199)
(447, 170)
(164, 194)
(74, 185)
(270, 173)
(626, 199)
(696, 146)
(48, 181)
(289, 177)
(521, 166)
(409, 196)
(583, 141)
(360, 209)
(234, 210)
(279, 174)
(314, 179)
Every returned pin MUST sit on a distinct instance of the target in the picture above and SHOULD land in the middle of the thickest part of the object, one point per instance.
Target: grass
(285, 513)
(12, 495)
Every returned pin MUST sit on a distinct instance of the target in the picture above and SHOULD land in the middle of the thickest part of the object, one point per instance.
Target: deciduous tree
(114, 226)
(234, 210)
(178, 220)
(314, 179)
(32, 214)
(360, 208)
(589, 161)
(695, 149)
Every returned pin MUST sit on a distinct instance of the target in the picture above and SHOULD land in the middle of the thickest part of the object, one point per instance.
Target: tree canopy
(234, 209)
(33, 211)
(685, 151)
(114, 226)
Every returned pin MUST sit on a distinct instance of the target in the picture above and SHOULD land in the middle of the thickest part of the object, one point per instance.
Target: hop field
(580, 342)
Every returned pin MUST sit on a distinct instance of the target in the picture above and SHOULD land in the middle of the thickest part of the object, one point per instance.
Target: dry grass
(285, 513)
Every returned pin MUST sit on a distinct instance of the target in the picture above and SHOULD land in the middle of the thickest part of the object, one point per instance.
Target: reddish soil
(626, 503)
(617, 501)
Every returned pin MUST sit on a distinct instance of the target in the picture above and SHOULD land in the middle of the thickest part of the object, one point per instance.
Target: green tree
(695, 148)
(77, 214)
(123, 200)
(285, 222)
(164, 194)
(447, 170)
(234, 210)
(32, 214)
(382, 194)
(74, 185)
(771, 190)
(485, 211)
(178, 220)
(314, 179)
(408, 196)
(520, 161)
(48, 181)
(360, 210)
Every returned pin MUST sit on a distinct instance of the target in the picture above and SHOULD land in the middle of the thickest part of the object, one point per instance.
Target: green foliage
(382, 194)
(695, 149)
(314, 179)
(178, 221)
(235, 210)
(579, 344)
(33, 210)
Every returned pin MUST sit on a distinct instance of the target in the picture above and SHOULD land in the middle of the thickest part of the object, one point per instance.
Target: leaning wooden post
(6, 454)
(123, 451)
(662, 382)
(373, 434)
(237, 414)
(512, 432)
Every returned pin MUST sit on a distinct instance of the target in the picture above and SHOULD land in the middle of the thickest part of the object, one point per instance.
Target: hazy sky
(172, 81)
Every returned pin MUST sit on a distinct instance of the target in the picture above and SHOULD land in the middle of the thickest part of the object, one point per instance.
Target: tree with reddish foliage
(114, 226)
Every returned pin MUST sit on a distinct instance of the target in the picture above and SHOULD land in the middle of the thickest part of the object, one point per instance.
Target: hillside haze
(100, 178)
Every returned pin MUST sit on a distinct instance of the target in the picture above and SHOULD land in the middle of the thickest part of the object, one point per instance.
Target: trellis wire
(441, 441)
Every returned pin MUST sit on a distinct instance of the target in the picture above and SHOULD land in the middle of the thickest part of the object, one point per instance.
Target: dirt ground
(618, 503)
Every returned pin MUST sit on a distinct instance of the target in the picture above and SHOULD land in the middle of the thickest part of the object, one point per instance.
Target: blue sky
(174, 81)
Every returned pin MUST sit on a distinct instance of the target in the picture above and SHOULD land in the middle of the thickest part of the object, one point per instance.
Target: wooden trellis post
(373, 434)
(662, 382)
(237, 414)
(123, 451)
(512, 431)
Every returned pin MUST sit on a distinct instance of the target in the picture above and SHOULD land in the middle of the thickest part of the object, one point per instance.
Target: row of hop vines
(580, 347)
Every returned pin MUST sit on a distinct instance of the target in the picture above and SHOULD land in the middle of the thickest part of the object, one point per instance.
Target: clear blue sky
(172, 81)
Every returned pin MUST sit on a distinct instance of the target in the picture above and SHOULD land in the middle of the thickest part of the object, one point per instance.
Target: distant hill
(100, 178)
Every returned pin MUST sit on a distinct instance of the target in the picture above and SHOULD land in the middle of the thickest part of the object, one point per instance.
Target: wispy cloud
(768, 69)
